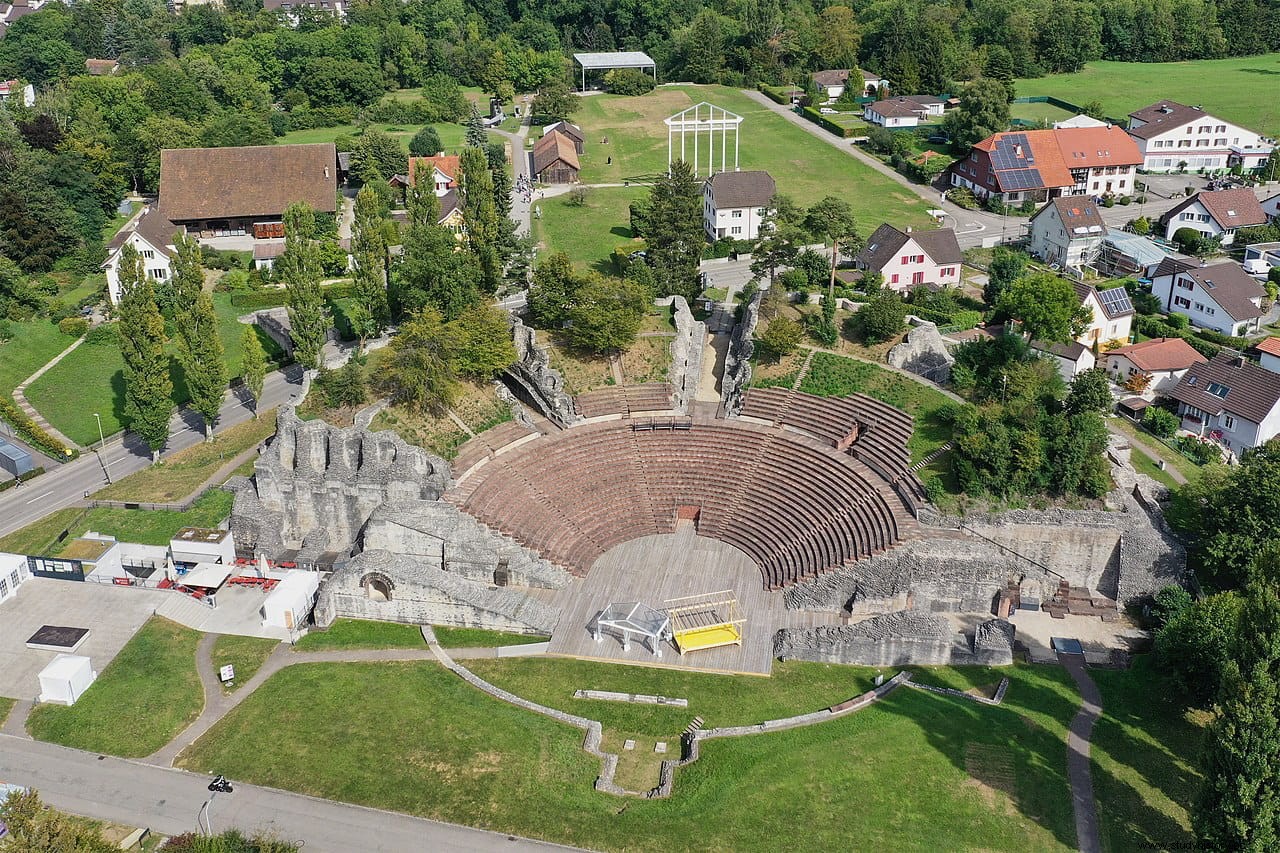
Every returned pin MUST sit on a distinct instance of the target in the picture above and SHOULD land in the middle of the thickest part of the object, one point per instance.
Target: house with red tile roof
(1164, 360)
(1044, 164)
(1218, 214)
(1269, 353)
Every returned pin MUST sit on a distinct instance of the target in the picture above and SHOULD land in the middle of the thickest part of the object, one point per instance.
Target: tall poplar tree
(199, 347)
(148, 390)
(369, 247)
(253, 365)
(299, 268)
(481, 216)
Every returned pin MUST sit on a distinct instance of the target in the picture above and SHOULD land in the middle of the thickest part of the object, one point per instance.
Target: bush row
(254, 300)
(22, 478)
(772, 95)
(827, 124)
(32, 433)
(1154, 327)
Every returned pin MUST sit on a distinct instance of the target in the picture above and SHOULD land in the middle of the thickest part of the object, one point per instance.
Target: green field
(916, 771)
(461, 638)
(143, 698)
(148, 527)
(588, 233)
(246, 654)
(1039, 112)
(1241, 89)
(451, 135)
(362, 634)
(34, 342)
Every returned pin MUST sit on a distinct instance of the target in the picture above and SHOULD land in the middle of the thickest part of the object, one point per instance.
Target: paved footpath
(1079, 768)
(167, 801)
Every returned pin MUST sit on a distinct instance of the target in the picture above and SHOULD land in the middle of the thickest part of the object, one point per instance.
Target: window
(737, 229)
(1228, 422)
(918, 278)
(1218, 390)
(1186, 216)
(4, 588)
(1199, 307)
(893, 279)
(1222, 128)
(1186, 284)
(159, 275)
(1222, 141)
(148, 254)
(1202, 143)
(906, 259)
(1095, 185)
(13, 578)
(1181, 302)
(1210, 311)
(737, 214)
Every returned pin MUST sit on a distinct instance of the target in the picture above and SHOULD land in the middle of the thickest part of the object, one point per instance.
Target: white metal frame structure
(698, 119)
(632, 617)
(615, 59)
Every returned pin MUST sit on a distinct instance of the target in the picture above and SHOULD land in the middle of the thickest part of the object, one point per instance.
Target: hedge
(772, 95)
(254, 300)
(22, 478)
(827, 124)
(32, 433)
(1154, 327)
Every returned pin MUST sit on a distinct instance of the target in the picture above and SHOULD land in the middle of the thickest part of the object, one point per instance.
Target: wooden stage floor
(653, 569)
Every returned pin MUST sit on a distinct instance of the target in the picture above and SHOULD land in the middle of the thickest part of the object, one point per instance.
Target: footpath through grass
(362, 634)
(32, 345)
(140, 702)
(246, 654)
(1241, 89)
(148, 527)
(915, 771)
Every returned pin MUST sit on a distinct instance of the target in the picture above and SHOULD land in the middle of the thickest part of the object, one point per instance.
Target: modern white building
(202, 545)
(1218, 214)
(1231, 400)
(1221, 296)
(66, 678)
(1112, 312)
(152, 236)
(1174, 137)
(910, 258)
(735, 203)
(1163, 360)
(903, 110)
(1068, 231)
(290, 603)
(13, 573)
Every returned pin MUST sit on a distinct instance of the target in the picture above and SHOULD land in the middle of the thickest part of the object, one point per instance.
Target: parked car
(939, 139)
(826, 111)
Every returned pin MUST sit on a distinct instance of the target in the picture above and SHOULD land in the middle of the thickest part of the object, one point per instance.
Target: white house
(17, 91)
(735, 203)
(1068, 231)
(13, 572)
(1079, 121)
(1112, 312)
(1269, 354)
(1231, 400)
(1071, 358)
(831, 82)
(872, 83)
(152, 236)
(909, 258)
(288, 9)
(1271, 206)
(1215, 214)
(903, 110)
(1164, 360)
(1172, 137)
(1220, 296)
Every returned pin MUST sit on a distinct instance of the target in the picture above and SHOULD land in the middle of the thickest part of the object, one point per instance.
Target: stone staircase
(19, 397)
(184, 610)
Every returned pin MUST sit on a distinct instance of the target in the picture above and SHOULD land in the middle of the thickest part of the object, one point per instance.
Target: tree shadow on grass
(621, 231)
(118, 398)
(1260, 71)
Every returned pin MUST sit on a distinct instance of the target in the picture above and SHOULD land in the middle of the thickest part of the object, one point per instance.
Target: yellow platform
(707, 637)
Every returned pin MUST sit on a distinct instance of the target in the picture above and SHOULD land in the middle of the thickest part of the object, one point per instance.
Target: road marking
(40, 497)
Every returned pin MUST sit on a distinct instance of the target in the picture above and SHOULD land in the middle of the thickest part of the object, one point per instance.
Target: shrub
(794, 281)
(963, 197)
(6, 330)
(1199, 450)
(880, 319)
(1189, 240)
(628, 81)
(73, 326)
(1161, 422)
(1181, 322)
(780, 339)
(32, 433)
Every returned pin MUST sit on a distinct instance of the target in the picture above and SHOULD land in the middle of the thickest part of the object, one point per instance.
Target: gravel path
(1079, 769)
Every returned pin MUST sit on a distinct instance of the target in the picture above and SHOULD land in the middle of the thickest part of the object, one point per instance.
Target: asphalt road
(167, 801)
(126, 453)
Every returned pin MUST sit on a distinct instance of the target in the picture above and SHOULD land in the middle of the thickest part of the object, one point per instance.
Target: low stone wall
(904, 638)
(737, 363)
(924, 352)
(960, 694)
(533, 372)
(686, 353)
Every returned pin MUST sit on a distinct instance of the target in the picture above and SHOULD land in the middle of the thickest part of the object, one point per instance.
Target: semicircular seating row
(796, 508)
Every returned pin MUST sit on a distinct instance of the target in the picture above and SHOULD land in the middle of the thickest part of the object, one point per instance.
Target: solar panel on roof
(1116, 300)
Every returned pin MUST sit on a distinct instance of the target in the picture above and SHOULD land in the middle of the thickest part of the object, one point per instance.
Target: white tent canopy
(288, 605)
(66, 678)
(207, 575)
(632, 617)
(609, 60)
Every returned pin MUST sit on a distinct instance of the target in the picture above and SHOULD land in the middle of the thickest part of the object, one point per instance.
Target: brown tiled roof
(449, 202)
(1072, 351)
(99, 67)
(552, 147)
(264, 250)
(832, 77)
(1114, 302)
(1271, 346)
(1163, 116)
(1161, 354)
(1237, 208)
(151, 226)
(1076, 211)
(883, 245)
(1232, 384)
(741, 189)
(570, 130)
(1226, 283)
(449, 164)
(1091, 147)
(260, 180)
(896, 108)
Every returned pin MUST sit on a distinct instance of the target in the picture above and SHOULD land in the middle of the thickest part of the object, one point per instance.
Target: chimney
(1017, 150)
(1240, 360)
(326, 171)
(908, 229)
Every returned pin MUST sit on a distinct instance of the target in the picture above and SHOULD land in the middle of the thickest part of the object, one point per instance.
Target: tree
(299, 268)
(1007, 265)
(1090, 391)
(606, 314)
(484, 344)
(555, 101)
(702, 46)
(780, 237)
(481, 216)
(253, 364)
(344, 386)
(34, 828)
(780, 339)
(982, 111)
(838, 39)
(1196, 641)
(475, 136)
(369, 248)
(832, 219)
(203, 359)
(675, 232)
(881, 318)
(553, 291)
(426, 142)
(1093, 109)
(1046, 306)
(148, 390)
(628, 81)
(419, 370)
(376, 156)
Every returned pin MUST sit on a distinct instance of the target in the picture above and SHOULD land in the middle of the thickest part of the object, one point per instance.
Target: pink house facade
(909, 259)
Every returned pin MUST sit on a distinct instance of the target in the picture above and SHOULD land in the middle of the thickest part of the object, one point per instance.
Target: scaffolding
(699, 119)
(632, 617)
(705, 621)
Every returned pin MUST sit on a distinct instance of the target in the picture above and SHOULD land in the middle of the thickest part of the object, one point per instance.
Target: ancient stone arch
(377, 586)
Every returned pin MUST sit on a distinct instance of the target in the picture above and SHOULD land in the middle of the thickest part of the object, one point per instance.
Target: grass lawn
(1240, 89)
(451, 135)
(833, 376)
(246, 654)
(1144, 804)
(588, 233)
(183, 472)
(1144, 464)
(362, 634)
(1039, 112)
(6, 705)
(32, 345)
(1172, 458)
(914, 772)
(149, 527)
(477, 406)
(461, 638)
(144, 697)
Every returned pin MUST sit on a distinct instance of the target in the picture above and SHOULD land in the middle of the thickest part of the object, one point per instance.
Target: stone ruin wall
(316, 485)
(924, 353)
(902, 638)
(533, 372)
(737, 362)
(687, 348)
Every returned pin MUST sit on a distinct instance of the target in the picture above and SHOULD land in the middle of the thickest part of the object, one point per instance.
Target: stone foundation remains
(737, 362)
(907, 637)
(532, 371)
(924, 352)
(686, 353)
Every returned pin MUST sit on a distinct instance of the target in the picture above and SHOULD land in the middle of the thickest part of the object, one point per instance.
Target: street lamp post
(102, 442)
